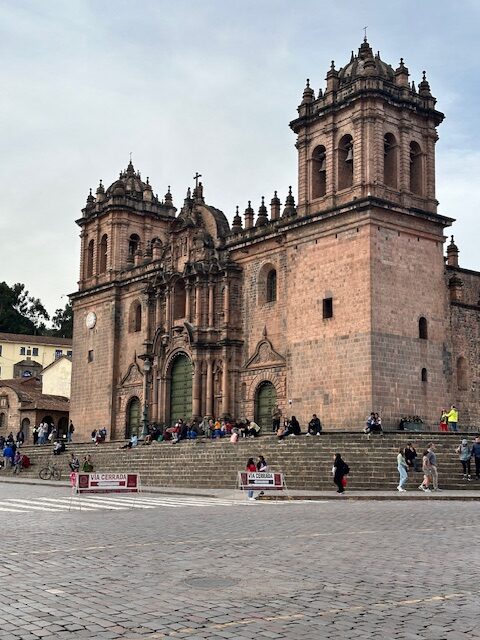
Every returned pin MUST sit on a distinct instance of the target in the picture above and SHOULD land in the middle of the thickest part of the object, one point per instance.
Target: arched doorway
(133, 418)
(62, 428)
(265, 400)
(48, 424)
(26, 428)
(181, 389)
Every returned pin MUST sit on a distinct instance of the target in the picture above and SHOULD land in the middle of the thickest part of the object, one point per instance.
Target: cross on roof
(196, 177)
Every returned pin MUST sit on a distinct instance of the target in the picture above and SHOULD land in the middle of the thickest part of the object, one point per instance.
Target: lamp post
(147, 365)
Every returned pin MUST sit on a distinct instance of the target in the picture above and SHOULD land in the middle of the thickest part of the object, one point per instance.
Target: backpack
(346, 469)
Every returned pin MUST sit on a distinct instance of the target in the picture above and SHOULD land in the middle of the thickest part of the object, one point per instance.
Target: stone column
(154, 406)
(209, 385)
(197, 388)
(198, 303)
(211, 305)
(226, 303)
(225, 385)
(168, 310)
(158, 311)
(188, 305)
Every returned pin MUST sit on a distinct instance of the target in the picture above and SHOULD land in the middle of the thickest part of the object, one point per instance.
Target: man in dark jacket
(476, 456)
(314, 426)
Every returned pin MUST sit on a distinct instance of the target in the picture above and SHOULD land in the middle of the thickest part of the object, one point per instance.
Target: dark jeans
(466, 466)
(477, 467)
(338, 481)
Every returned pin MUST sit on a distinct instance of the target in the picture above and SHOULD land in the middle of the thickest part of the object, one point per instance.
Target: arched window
(135, 317)
(416, 172)
(390, 152)
(133, 243)
(103, 254)
(423, 328)
(462, 374)
(345, 162)
(179, 300)
(319, 172)
(90, 250)
(424, 375)
(138, 317)
(271, 286)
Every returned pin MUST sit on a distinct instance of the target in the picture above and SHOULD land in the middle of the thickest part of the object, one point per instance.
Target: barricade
(94, 483)
(261, 481)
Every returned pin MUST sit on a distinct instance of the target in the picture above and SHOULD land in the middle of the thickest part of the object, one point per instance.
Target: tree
(30, 307)
(63, 322)
(20, 312)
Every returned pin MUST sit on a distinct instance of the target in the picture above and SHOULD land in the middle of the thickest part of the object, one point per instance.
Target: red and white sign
(107, 483)
(261, 480)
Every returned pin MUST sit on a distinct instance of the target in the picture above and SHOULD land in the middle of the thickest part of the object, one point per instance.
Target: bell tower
(370, 133)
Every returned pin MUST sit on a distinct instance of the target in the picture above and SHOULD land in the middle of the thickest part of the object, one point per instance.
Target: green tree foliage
(62, 322)
(20, 312)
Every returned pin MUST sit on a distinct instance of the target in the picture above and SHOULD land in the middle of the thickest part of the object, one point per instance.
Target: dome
(129, 183)
(365, 64)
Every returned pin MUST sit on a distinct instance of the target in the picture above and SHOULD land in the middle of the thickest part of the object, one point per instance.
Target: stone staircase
(306, 461)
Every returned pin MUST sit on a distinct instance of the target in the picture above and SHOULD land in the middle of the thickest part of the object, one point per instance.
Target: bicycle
(50, 472)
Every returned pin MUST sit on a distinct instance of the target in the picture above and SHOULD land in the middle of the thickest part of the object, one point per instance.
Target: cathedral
(339, 303)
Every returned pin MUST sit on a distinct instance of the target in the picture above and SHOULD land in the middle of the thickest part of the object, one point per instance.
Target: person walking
(70, 431)
(20, 438)
(276, 417)
(402, 470)
(427, 473)
(476, 456)
(251, 468)
(465, 452)
(340, 470)
(432, 458)
(314, 426)
(35, 434)
(452, 417)
(41, 433)
(410, 453)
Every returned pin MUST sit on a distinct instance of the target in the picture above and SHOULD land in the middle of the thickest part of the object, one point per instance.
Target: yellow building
(57, 377)
(23, 356)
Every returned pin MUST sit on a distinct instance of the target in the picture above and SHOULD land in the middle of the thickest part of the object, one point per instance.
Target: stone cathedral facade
(338, 304)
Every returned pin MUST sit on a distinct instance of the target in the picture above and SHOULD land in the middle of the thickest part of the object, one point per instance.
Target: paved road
(332, 569)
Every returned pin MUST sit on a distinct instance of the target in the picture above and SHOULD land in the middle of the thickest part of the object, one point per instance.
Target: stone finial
(262, 218)
(308, 93)
(424, 87)
(289, 209)
(332, 78)
(249, 216)
(275, 207)
(401, 75)
(90, 199)
(168, 198)
(237, 222)
(452, 253)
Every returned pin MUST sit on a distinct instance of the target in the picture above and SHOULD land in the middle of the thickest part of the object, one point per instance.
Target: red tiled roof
(29, 392)
(27, 339)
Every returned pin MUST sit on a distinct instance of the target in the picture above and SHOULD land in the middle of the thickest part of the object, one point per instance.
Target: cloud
(189, 85)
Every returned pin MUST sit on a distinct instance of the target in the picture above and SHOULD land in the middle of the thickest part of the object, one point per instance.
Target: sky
(200, 85)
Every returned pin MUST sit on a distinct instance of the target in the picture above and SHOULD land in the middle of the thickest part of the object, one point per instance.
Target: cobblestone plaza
(189, 567)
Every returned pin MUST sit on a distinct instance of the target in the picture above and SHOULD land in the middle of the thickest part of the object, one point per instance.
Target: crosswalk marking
(120, 502)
